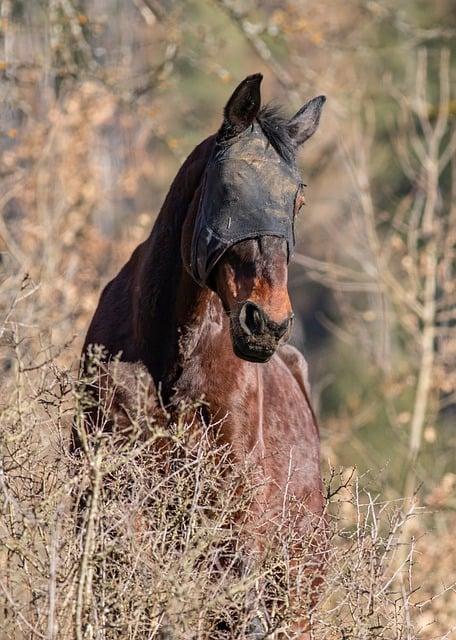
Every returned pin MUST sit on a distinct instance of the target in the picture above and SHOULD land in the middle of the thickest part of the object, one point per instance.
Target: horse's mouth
(251, 352)
(257, 346)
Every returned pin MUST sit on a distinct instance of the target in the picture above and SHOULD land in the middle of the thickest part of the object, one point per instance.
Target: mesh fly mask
(249, 191)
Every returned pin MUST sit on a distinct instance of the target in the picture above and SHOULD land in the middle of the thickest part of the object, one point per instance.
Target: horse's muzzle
(255, 336)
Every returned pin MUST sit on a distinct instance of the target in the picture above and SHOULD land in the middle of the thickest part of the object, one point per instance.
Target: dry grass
(83, 170)
(158, 549)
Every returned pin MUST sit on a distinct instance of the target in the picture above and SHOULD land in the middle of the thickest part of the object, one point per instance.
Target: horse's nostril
(255, 322)
(251, 318)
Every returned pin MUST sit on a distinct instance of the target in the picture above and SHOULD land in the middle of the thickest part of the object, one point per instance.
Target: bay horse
(203, 304)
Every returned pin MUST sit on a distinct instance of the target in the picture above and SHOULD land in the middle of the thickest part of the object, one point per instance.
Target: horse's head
(243, 233)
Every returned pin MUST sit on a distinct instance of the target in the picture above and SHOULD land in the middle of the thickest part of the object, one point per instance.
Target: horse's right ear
(243, 106)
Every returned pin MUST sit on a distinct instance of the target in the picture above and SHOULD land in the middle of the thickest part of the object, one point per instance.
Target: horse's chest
(229, 391)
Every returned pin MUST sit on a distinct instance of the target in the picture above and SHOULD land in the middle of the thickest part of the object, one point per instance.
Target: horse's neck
(176, 317)
(188, 341)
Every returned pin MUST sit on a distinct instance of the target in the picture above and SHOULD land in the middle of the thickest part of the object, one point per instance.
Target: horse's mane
(274, 124)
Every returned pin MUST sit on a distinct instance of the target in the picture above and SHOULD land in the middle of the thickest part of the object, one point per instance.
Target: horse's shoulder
(128, 393)
(297, 365)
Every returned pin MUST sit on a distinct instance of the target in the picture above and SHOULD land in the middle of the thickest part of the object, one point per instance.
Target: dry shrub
(156, 546)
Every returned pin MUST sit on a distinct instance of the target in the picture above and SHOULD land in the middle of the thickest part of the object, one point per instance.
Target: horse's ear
(306, 121)
(243, 106)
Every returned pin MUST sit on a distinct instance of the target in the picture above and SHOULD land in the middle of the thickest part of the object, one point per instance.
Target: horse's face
(251, 281)
(243, 228)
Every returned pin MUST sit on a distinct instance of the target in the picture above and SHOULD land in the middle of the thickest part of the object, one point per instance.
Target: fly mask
(249, 191)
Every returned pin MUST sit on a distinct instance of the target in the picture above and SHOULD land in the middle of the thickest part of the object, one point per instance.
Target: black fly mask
(249, 191)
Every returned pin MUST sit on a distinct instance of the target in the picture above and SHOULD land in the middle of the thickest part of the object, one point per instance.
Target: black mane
(274, 125)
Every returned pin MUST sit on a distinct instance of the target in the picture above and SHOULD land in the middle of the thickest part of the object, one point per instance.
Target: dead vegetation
(88, 148)
(156, 547)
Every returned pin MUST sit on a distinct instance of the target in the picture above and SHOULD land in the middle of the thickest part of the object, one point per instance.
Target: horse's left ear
(304, 124)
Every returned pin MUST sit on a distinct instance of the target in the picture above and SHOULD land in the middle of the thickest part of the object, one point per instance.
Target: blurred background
(102, 100)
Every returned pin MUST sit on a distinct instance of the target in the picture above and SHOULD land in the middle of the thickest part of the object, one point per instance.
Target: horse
(202, 304)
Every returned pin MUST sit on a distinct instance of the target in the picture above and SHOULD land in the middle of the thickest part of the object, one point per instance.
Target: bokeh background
(102, 100)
